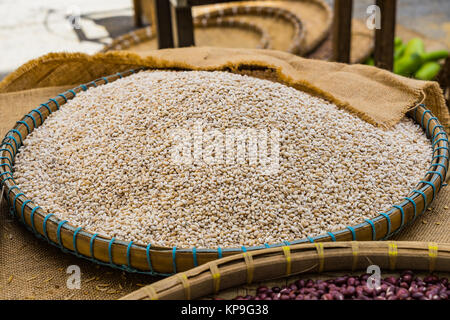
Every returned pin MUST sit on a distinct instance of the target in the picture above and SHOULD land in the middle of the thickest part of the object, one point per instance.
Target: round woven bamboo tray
(315, 15)
(146, 35)
(248, 268)
(296, 45)
(149, 259)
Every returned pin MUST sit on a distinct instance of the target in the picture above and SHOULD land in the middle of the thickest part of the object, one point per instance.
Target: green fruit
(435, 55)
(414, 45)
(407, 64)
(398, 41)
(428, 71)
(370, 61)
(398, 51)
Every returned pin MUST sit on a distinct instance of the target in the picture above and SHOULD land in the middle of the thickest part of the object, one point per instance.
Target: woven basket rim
(288, 261)
(119, 254)
(225, 18)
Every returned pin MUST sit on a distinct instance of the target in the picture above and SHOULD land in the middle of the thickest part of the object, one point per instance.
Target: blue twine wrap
(6, 158)
(72, 92)
(9, 151)
(352, 230)
(44, 225)
(440, 139)
(219, 252)
(424, 199)
(58, 233)
(243, 249)
(388, 232)
(194, 256)
(16, 144)
(33, 226)
(437, 134)
(26, 125)
(310, 239)
(15, 200)
(440, 156)
(423, 116)
(437, 126)
(439, 148)
(75, 233)
(48, 108)
(18, 133)
(174, 257)
(6, 165)
(55, 102)
(8, 178)
(402, 223)
(432, 186)
(32, 119)
(23, 208)
(110, 250)
(414, 204)
(428, 123)
(95, 84)
(374, 233)
(12, 147)
(440, 175)
(120, 76)
(266, 245)
(106, 80)
(149, 261)
(91, 244)
(83, 87)
(440, 165)
(333, 238)
(287, 243)
(129, 254)
(40, 115)
(62, 96)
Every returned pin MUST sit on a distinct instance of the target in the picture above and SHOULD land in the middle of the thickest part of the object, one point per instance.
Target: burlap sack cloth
(31, 268)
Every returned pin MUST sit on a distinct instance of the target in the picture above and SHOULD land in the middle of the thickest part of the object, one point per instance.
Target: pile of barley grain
(104, 162)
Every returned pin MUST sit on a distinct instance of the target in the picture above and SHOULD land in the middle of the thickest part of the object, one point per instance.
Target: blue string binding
(310, 239)
(15, 201)
(48, 108)
(149, 261)
(437, 126)
(91, 245)
(6, 165)
(333, 238)
(428, 123)
(40, 115)
(438, 173)
(18, 133)
(219, 252)
(414, 204)
(83, 87)
(16, 144)
(44, 225)
(402, 223)
(374, 233)
(106, 80)
(9, 151)
(33, 226)
(72, 92)
(75, 233)
(388, 232)
(5, 158)
(22, 209)
(55, 102)
(423, 116)
(440, 165)
(58, 234)
(32, 119)
(129, 254)
(352, 230)
(266, 245)
(26, 125)
(12, 147)
(62, 96)
(432, 186)
(424, 199)
(174, 256)
(194, 256)
(110, 250)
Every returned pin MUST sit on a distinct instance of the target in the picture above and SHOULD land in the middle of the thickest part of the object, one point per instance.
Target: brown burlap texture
(31, 268)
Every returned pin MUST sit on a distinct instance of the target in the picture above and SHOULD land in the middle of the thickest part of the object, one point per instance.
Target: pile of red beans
(405, 287)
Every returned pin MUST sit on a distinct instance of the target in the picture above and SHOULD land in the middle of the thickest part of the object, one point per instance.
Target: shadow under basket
(155, 260)
(279, 263)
